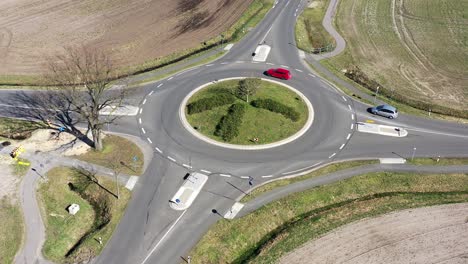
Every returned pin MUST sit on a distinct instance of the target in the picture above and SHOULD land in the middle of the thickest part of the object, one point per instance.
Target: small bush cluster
(358, 76)
(277, 107)
(209, 103)
(228, 127)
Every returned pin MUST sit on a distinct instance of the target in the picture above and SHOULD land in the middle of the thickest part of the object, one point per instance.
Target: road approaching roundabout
(276, 106)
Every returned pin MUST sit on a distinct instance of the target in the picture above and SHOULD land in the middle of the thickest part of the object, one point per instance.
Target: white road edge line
(149, 140)
(162, 238)
(332, 155)
(171, 158)
(158, 150)
(224, 175)
(342, 146)
(348, 137)
(143, 130)
(205, 171)
(305, 168)
(160, 85)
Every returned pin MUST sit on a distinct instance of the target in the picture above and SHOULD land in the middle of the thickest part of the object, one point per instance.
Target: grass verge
(256, 123)
(330, 168)
(118, 154)
(260, 236)
(11, 230)
(440, 162)
(75, 238)
(310, 35)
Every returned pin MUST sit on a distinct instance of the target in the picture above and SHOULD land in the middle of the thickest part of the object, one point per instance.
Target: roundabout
(331, 118)
(256, 118)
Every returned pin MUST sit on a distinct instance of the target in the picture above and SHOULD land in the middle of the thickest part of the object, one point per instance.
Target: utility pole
(414, 152)
(376, 94)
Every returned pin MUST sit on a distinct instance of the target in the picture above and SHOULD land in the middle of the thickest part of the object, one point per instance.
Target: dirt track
(436, 234)
(134, 30)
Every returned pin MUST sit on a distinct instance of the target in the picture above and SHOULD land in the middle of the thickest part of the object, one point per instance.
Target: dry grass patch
(11, 230)
(118, 154)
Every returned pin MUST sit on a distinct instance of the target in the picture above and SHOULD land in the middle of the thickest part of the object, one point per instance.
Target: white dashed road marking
(141, 110)
(284, 66)
(350, 107)
(139, 120)
(144, 101)
(224, 175)
(149, 140)
(224, 63)
(206, 171)
(151, 93)
(352, 126)
(342, 146)
(267, 176)
(208, 65)
(160, 85)
(298, 70)
(186, 165)
(310, 74)
(344, 98)
(352, 116)
(332, 155)
(348, 137)
(171, 158)
(158, 150)
(245, 177)
(269, 63)
(170, 78)
(143, 130)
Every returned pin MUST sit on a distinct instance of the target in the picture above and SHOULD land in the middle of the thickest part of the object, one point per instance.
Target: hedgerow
(209, 103)
(228, 126)
(277, 107)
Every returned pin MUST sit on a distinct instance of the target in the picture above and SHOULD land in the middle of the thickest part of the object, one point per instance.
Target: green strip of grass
(440, 162)
(257, 123)
(65, 232)
(319, 172)
(118, 154)
(310, 34)
(240, 239)
(11, 230)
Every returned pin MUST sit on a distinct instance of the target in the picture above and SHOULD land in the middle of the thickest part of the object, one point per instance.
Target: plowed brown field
(133, 31)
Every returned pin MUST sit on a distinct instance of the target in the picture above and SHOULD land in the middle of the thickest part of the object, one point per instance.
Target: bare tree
(82, 77)
(247, 87)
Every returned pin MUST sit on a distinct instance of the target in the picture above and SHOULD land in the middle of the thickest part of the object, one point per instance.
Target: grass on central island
(258, 123)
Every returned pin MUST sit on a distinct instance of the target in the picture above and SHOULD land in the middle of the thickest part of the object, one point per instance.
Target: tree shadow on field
(50, 108)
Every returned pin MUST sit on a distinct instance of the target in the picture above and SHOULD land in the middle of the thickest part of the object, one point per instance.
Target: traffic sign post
(250, 184)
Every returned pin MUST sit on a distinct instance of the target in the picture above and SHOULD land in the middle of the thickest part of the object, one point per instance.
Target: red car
(279, 73)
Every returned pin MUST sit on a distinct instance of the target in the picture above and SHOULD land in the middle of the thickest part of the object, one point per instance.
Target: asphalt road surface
(151, 232)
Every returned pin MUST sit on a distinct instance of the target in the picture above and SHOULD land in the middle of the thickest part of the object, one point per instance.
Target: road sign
(251, 180)
(24, 163)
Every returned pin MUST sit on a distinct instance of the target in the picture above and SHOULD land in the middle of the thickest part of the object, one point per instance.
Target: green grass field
(310, 34)
(412, 48)
(11, 230)
(316, 173)
(63, 231)
(282, 226)
(265, 125)
(116, 150)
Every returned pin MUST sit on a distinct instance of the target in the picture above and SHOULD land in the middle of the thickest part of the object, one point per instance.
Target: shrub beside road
(282, 226)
